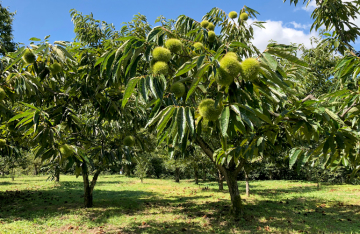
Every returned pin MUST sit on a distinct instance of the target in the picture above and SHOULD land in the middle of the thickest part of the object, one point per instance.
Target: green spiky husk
(223, 78)
(29, 56)
(204, 23)
(231, 54)
(244, 16)
(55, 68)
(129, 141)
(211, 27)
(250, 69)
(178, 89)
(2, 94)
(198, 45)
(2, 143)
(211, 36)
(233, 14)
(208, 111)
(160, 68)
(174, 45)
(231, 65)
(66, 150)
(161, 54)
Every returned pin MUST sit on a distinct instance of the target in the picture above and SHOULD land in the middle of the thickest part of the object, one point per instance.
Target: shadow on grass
(190, 214)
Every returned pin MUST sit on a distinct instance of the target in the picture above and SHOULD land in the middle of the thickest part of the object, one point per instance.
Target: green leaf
(31, 106)
(34, 39)
(164, 120)
(66, 53)
(239, 44)
(153, 33)
(158, 116)
(287, 56)
(269, 60)
(129, 90)
(293, 156)
(190, 119)
(186, 67)
(181, 122)
(200, 60)
(334, 116)
(224, 120)
(29, 112)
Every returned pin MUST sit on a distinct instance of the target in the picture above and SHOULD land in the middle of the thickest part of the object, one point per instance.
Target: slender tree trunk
(196, 175)
(36, 170)
(177, 174)
(88, 187)
(247, 184)
(230, 176)
(231, 179)
(57, 174)
(221, 181)
(127, 170)
(204, 175)
(12, 174)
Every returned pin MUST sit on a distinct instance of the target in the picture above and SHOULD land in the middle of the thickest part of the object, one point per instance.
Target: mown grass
(124, 205)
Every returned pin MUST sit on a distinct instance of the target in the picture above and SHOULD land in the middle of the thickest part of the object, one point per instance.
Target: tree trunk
(88, 187)
(247, 184)
(36, 170)
(177, 175)
(127, 170)
(196, 175)
(230, 176)
(57, 174)
(204, 175)
(221, 181)
(12, 175)
(231, 179)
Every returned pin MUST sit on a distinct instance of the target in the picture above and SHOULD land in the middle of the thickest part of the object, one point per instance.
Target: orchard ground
(125, 205)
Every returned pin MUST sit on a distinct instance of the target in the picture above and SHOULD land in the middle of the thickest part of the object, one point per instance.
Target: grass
(124, 205)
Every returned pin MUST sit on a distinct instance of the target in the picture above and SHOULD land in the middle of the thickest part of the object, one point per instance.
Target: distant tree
(6, 37)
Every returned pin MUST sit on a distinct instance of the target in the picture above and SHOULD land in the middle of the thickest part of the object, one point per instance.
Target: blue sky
(39, 18)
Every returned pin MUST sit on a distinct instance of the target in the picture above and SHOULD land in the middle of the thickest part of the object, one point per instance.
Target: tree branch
(348, 109)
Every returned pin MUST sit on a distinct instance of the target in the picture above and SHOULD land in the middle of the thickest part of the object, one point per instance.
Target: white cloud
(310, 7)
(277, 31)
(302, 26)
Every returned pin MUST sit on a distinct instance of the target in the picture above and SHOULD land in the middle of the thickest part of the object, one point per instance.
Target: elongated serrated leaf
(129, 89)
(334, 116)
(21, 115)
(287, 56)
(190, 119)
(153, 33)
(224, 121)
(185, 68)
(269, 60)
(34, 39)
(66, 53)
(181, 122)
(293, 156)
(164, 120)
(239, 44)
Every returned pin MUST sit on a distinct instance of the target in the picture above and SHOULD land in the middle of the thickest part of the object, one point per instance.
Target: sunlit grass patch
(125, 205)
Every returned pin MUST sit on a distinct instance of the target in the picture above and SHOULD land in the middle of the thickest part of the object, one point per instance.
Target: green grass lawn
(124, 205)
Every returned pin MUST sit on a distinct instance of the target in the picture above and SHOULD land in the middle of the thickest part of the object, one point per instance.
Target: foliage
(336, 16)
(6, 37)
